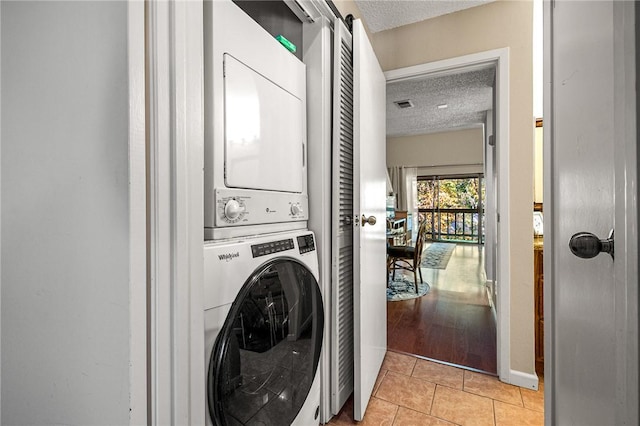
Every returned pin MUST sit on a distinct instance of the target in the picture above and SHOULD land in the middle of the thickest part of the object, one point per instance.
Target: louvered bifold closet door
(342, 219)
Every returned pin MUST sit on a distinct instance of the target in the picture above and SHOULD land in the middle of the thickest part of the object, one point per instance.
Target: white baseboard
(524, 380)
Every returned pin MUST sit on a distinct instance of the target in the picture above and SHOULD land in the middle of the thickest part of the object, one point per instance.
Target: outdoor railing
(460, 225)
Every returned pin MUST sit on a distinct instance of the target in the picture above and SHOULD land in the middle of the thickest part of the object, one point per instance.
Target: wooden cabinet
(538, 285)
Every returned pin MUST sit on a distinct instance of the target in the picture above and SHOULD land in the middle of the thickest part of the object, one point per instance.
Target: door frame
(175, 147)
(138, 373)
(500, 59)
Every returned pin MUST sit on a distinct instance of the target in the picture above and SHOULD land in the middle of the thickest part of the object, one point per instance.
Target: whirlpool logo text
(228, 256)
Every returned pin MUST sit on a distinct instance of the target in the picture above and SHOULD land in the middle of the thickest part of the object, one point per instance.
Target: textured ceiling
(382, 15)
(468, 96)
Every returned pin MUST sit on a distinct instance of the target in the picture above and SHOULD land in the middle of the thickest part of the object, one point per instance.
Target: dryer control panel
(249, 207)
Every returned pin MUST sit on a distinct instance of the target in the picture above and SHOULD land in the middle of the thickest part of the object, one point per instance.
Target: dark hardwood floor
(453, 322)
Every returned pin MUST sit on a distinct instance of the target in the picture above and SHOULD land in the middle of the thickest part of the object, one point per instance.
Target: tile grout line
(441, 418)
(380, 384)
(496, 399)
(433, 400)
(464, 380)
(395, 416)
(493, 409)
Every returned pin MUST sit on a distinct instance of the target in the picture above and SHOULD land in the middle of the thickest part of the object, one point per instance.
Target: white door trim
(137, 216)
(176, 219)
(500, 59)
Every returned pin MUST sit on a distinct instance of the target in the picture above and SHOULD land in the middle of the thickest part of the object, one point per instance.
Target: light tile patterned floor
(415, 392)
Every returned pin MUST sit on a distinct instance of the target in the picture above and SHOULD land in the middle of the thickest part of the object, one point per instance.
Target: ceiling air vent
(404, 104)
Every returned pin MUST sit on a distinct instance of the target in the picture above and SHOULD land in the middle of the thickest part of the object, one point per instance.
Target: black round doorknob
(587, 245)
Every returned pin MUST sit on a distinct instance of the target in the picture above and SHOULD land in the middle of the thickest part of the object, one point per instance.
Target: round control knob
(295, 209)
(232, 209)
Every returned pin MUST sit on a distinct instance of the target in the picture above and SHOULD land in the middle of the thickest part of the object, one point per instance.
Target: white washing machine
(264, 320)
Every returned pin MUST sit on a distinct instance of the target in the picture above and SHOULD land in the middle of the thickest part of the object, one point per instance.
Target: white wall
(454, 152)
(65, 213)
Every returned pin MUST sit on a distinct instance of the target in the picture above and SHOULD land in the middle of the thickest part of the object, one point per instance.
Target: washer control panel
(248, 207)
(264, 249)
(306, 243)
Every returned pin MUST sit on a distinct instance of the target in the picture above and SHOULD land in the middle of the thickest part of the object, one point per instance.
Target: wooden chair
(408, 258)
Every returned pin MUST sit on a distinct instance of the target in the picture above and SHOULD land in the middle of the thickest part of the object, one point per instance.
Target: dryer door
(265, 358)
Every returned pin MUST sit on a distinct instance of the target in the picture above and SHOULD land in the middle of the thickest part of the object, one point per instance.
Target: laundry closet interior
(278, 183)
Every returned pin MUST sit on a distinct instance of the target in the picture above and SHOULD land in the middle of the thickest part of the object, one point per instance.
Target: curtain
(397, 176)
(411, 189)
(404, 181)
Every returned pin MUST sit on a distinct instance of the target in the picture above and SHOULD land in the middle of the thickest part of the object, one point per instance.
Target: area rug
(437, 255)
(403, 288)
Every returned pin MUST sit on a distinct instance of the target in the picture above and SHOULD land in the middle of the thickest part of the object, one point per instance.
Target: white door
(369, 203)
(591, 347)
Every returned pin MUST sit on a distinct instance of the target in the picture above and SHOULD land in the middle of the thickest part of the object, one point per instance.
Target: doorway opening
(487, 264)
(453, 322)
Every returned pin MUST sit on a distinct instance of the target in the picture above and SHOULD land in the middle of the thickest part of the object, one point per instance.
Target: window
(453, 207)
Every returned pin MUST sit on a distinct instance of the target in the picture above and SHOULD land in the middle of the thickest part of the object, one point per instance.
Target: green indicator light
(286, 43)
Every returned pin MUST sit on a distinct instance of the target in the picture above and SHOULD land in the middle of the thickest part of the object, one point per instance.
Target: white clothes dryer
(264, 321)
(255, 160)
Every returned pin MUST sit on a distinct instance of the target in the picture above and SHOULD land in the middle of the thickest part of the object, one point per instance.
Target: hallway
(453, 322)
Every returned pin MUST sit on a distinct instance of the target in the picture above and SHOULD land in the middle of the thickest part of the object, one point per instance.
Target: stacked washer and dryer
(264, 315)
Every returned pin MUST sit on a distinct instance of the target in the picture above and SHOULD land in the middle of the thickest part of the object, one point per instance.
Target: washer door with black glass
(266, 355)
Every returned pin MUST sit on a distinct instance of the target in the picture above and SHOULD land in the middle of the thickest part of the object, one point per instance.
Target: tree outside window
(451, 206)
